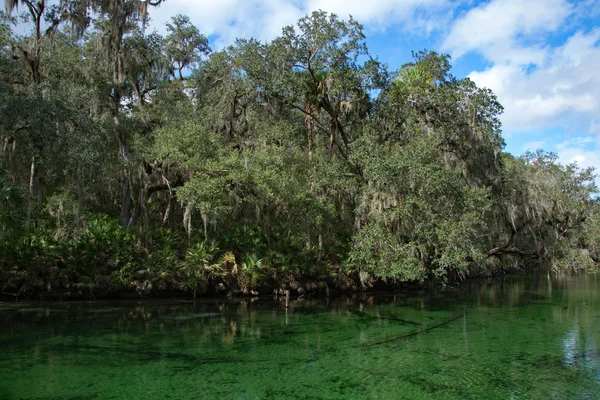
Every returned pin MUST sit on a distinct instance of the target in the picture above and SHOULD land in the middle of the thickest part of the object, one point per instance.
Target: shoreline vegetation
(134, 164)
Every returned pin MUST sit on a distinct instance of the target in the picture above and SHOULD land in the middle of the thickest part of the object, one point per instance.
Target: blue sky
(541, 57)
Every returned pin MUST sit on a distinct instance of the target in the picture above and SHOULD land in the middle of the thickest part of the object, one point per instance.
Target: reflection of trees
(580, 310)
(227, 322)
(533, 336)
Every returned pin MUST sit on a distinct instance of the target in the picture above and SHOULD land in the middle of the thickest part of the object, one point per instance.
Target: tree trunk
(125, 200)
(204, 224)
(32, 177)
(332, 126)
(80, 203)
(172, 217)
(320, 246)
(310, 125)
(187, 219)
(142, 200)
(167, 213)
(34, 64)
(124, 155)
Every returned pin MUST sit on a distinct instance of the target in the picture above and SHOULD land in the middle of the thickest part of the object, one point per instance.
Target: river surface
(519, 337)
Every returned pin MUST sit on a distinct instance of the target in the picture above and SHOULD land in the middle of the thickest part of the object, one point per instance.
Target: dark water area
(518, 337)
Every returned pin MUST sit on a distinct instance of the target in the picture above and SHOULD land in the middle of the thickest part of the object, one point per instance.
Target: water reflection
(533, 336)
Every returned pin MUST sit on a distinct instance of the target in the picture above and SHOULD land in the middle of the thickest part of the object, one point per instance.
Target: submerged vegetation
(136, 162)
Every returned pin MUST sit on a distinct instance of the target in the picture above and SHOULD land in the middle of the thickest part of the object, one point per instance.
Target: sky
(540, 57)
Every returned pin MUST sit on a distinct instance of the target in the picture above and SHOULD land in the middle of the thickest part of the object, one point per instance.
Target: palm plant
(199, 268)
(251, 272)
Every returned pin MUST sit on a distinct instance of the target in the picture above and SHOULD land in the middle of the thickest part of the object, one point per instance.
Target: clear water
(533, 337)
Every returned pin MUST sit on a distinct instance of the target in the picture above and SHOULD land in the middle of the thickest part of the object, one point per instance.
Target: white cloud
(493, 29)
(230, 19)
(584, 158)
(565, 83)
(578, 142)
(542, 84)
(377, 12)
(263, 19)
(582, 151)
(539, 85)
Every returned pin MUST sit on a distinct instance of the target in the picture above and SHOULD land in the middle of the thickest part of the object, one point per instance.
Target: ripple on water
(517, 339)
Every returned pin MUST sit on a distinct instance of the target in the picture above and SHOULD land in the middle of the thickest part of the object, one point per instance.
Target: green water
(533, 337)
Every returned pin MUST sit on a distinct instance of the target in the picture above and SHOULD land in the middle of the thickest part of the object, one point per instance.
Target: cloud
(543, 72)
(227, 20)
(495, 27)
(584, 158)
(382, 13)
(580, 150)
(577, 142)
(564, 84)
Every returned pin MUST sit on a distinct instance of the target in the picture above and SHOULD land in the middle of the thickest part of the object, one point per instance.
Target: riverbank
(339, 284)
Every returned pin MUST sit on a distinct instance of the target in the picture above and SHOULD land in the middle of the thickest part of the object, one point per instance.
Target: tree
(118, 17)
(430, 158)
(543, 208)
(316, 70)
(28, 51)
(185, 45)
(297, 163)
(461, 116)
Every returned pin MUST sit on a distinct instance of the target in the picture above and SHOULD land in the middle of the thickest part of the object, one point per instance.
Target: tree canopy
(134, 162)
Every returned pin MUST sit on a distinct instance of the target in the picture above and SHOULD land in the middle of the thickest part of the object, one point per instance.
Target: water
(533, 337)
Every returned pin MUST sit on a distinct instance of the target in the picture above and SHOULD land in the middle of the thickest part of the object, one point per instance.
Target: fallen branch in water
(418, 331)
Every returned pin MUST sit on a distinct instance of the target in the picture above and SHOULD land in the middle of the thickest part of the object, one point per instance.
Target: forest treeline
(135, 162)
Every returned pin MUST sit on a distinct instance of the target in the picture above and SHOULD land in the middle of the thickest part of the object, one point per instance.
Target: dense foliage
(132, 161)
